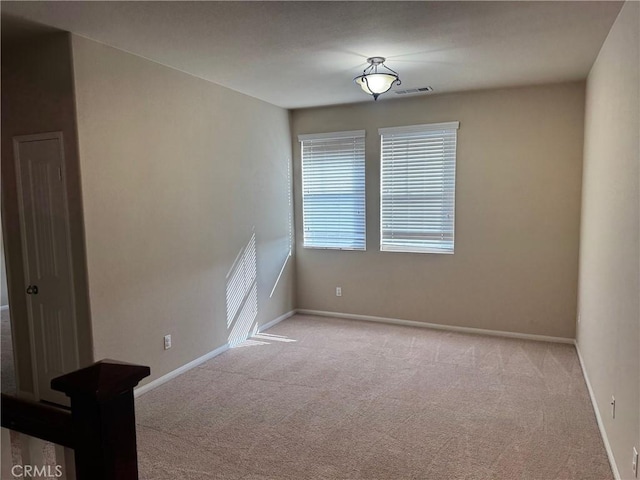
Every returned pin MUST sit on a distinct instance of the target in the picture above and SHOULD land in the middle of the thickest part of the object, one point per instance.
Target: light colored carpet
(320, 398)
(7, 375)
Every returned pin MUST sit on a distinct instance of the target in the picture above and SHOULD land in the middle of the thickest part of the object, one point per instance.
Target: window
(417, 197)
(333, 192)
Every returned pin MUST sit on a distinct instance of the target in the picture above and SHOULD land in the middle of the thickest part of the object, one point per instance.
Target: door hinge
(60, 173)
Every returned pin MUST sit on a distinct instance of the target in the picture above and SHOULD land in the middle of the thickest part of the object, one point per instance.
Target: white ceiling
(303, 54)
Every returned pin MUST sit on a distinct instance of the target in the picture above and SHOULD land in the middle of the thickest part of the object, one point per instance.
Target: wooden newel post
(103, 418)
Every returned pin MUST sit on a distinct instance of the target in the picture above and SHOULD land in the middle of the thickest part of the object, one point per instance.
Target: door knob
(32, 289)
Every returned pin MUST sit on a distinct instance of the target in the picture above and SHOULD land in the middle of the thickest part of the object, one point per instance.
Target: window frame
(448, 129)
(352, 134)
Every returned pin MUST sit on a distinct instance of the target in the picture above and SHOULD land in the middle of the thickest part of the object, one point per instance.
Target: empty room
(321, 240)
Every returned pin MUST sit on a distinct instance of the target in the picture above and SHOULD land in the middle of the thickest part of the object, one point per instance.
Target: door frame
(8, 274)
(17, 139)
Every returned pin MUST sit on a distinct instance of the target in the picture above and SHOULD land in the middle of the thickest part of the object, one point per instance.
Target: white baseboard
(603, 432)
(274, 322)
(198, 361)
(436, 326)
(179, 371)
(4, 307)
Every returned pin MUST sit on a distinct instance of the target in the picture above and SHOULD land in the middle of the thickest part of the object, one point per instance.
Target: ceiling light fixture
(374, 82)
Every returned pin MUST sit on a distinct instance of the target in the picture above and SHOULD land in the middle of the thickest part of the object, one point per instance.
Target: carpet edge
(200, 360)
(599, 421)
(437, 326)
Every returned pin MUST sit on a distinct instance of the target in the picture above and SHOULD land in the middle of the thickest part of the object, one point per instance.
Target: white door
(44, 221)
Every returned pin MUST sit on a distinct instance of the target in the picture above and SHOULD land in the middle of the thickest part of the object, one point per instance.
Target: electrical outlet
(634, 462)
(167, 342)
(338, 291)
(613, 406)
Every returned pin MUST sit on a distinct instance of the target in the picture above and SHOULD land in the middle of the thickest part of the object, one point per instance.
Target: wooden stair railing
(101, 426)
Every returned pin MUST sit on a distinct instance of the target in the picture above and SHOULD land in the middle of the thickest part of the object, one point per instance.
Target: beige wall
(519, 161)
(37, 97)
(177, 173)
(608, 330)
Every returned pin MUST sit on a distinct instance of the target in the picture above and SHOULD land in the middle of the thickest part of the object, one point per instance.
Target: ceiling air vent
(413, 91)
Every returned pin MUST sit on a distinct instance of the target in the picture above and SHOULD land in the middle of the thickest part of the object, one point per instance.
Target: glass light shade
(376, 83)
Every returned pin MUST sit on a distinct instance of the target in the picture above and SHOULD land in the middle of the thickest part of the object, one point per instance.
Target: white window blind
(333, 190)
(417, 202)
